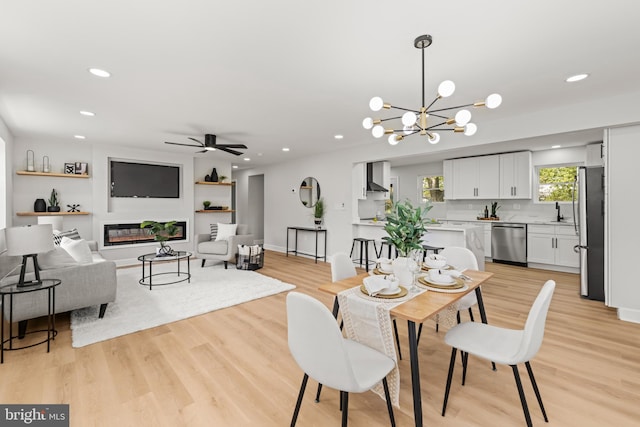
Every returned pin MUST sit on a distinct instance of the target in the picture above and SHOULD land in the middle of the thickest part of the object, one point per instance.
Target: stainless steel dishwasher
(509, 243)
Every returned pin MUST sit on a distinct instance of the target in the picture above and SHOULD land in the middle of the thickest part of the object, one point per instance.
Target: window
(555, 183)
(431, 188)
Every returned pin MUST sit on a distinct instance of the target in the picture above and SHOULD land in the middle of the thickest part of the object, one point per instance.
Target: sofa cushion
(72, 234)
(214, 231)
(219, 247)
(56, 258)
(78, 249)
(225, 231)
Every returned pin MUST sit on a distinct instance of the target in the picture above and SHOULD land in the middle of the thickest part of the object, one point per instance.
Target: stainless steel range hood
(372, 186)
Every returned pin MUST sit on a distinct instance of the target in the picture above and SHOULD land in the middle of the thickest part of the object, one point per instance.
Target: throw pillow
(72, 234)
(56, 258)
(225, 231)
(78, 249)
(214, 231)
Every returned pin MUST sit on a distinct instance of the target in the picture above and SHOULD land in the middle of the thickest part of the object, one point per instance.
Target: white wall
(6, 175)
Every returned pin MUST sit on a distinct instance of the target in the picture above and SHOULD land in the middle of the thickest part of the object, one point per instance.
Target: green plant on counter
(494, 209)
(405, 226)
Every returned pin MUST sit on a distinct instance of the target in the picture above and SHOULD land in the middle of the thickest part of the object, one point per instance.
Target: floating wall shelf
(58, 175)
(214, 183)
(214, 211)
(50, 213)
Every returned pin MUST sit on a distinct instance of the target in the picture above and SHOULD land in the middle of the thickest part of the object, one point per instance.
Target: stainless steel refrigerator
(588, 217)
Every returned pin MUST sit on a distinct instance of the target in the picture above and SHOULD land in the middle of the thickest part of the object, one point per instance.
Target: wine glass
(413, 263)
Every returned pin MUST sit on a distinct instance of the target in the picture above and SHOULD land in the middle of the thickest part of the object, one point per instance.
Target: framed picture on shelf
(69, 168)
(80, 168)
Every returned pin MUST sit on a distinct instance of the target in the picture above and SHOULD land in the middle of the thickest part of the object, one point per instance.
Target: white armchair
(222, 250)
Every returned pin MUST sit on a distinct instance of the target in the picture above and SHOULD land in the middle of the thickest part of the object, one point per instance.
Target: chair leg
(395, 329)
(535, 389)
(345, 408)
(225, 265)
(318, 392)
(103, 310)
(419, 333)
(458, 317)
(387, 396)
(437, 327)
(465, 357)
(22, 328)
(523, 399)
(299, 402)
(366, 256)
(471, 314)
(449, 376)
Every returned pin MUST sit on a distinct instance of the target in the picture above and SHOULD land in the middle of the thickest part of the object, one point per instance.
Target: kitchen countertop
(446, 227)
(516, 220)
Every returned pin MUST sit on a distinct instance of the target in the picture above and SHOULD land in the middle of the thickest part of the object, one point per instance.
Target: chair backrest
(316, 342)
(460, 258)
(342, 267)
(534, 328)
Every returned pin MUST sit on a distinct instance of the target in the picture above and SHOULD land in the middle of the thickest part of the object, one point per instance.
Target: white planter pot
(402, 272)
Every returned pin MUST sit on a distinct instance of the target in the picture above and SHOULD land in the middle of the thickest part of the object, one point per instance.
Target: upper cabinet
(500, 176)
(515, 175)
(476, 178)
(359, 181)
(594, 155)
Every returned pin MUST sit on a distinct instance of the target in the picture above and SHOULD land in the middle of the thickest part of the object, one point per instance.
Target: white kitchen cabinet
(476, 177)
(487, 240)
(594, 155)
(515, 175)
(552, 244)
(359, 181)
(447, 174)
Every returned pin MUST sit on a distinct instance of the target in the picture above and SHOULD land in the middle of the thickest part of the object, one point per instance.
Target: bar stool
(364, 242)
(426, 248)
(389, 246)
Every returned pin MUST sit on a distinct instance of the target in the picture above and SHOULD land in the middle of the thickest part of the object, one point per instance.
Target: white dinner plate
(390, 292)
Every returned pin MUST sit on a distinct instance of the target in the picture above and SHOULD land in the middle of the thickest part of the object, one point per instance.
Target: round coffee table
(147, 280)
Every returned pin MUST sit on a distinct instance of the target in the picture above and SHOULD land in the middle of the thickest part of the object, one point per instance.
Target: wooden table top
(421, 307)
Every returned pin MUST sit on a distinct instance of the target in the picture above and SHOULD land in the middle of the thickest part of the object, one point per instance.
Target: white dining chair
(318, 347)
(342, 267)
(503, 346)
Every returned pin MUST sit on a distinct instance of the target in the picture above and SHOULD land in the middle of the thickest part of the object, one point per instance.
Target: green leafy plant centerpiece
(162, 231)
(405, 226)
(318, 212)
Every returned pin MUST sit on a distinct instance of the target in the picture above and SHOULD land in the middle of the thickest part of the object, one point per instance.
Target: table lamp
(28, 242)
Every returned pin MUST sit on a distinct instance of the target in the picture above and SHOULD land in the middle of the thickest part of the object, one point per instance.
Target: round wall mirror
(309, 191)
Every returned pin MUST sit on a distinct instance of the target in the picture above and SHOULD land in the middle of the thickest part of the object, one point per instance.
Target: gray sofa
(222, 250)
(83, 285)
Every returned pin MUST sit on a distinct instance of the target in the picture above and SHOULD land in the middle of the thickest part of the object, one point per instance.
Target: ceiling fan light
(463, 117)
(377, 131)
(409, 118)
(376, 103)
(470, 129)
(394, 139)
(434, 137)
(446, 88)
(367, 123)
(493, 101)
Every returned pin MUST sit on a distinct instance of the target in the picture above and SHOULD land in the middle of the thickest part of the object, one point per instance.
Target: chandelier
(427, 120)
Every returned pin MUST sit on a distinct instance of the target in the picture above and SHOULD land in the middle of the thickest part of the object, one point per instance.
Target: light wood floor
(232, 367)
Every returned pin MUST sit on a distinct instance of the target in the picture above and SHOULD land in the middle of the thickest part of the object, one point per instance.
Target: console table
(317, 231)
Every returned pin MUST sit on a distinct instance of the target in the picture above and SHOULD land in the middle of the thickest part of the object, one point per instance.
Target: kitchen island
(470, 236)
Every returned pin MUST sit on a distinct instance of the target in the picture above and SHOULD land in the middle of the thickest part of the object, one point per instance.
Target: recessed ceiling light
(338, 136)
(235, 166)
(246, 159)
(259, 154)
(79, 136)
(99, 73)
(87, 113)
(576, 78)
(556, 146)
(285, 149)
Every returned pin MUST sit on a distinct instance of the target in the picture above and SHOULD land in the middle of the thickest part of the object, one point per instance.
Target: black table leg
(150, 273)
(483, 314)
(2, 331)
(316, 254)
(287, 241)
(415, 373)
(189, 268)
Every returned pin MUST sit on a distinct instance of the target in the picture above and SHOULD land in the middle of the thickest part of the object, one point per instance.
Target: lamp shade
(55, 221)
(29, 240)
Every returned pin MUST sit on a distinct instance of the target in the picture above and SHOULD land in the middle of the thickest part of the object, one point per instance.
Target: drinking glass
(414, 265)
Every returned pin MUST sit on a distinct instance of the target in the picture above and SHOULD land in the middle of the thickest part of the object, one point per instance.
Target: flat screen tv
(144, 180)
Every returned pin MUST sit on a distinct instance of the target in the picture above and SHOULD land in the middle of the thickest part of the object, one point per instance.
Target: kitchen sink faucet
(559, 217)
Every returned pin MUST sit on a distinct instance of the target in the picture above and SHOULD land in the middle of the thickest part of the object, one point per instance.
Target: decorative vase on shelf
(53, 209)
(214, 175)
(207, 178)
(40, 206)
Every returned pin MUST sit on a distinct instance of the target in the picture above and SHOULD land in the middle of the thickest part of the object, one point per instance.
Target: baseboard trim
(629, 315)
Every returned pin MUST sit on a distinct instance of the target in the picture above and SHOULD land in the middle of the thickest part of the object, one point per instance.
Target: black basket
(250, 262)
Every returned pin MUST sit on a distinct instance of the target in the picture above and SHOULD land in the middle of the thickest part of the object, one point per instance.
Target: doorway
(255, 207)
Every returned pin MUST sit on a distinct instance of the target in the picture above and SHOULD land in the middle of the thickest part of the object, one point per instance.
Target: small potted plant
(162, 231)
(222, 178)
(318, 212)
(54, 203)
(494, 210)
(206, 204)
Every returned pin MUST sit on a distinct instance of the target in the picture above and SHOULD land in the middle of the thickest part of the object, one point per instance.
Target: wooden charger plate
(456, 284)
(403, 292)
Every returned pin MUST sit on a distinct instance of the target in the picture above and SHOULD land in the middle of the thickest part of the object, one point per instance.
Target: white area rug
(137, 308)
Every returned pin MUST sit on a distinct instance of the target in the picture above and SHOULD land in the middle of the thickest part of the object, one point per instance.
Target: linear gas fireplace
(132, 234)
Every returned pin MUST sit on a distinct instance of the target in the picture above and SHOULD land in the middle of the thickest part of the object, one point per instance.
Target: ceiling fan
(209, 144)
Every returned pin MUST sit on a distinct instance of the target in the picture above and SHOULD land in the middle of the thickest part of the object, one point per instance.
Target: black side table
(48, 285)
(317, 231)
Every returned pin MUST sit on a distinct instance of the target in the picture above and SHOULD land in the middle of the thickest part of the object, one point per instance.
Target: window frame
(536, 183)
(420, 181)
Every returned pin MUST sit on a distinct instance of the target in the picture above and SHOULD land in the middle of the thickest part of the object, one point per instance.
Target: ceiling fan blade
(231, 146)
(228, 150)
(185, 145)
(203, 151)
(199, 142)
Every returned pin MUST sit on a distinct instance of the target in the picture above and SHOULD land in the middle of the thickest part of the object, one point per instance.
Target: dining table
(415, 311)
